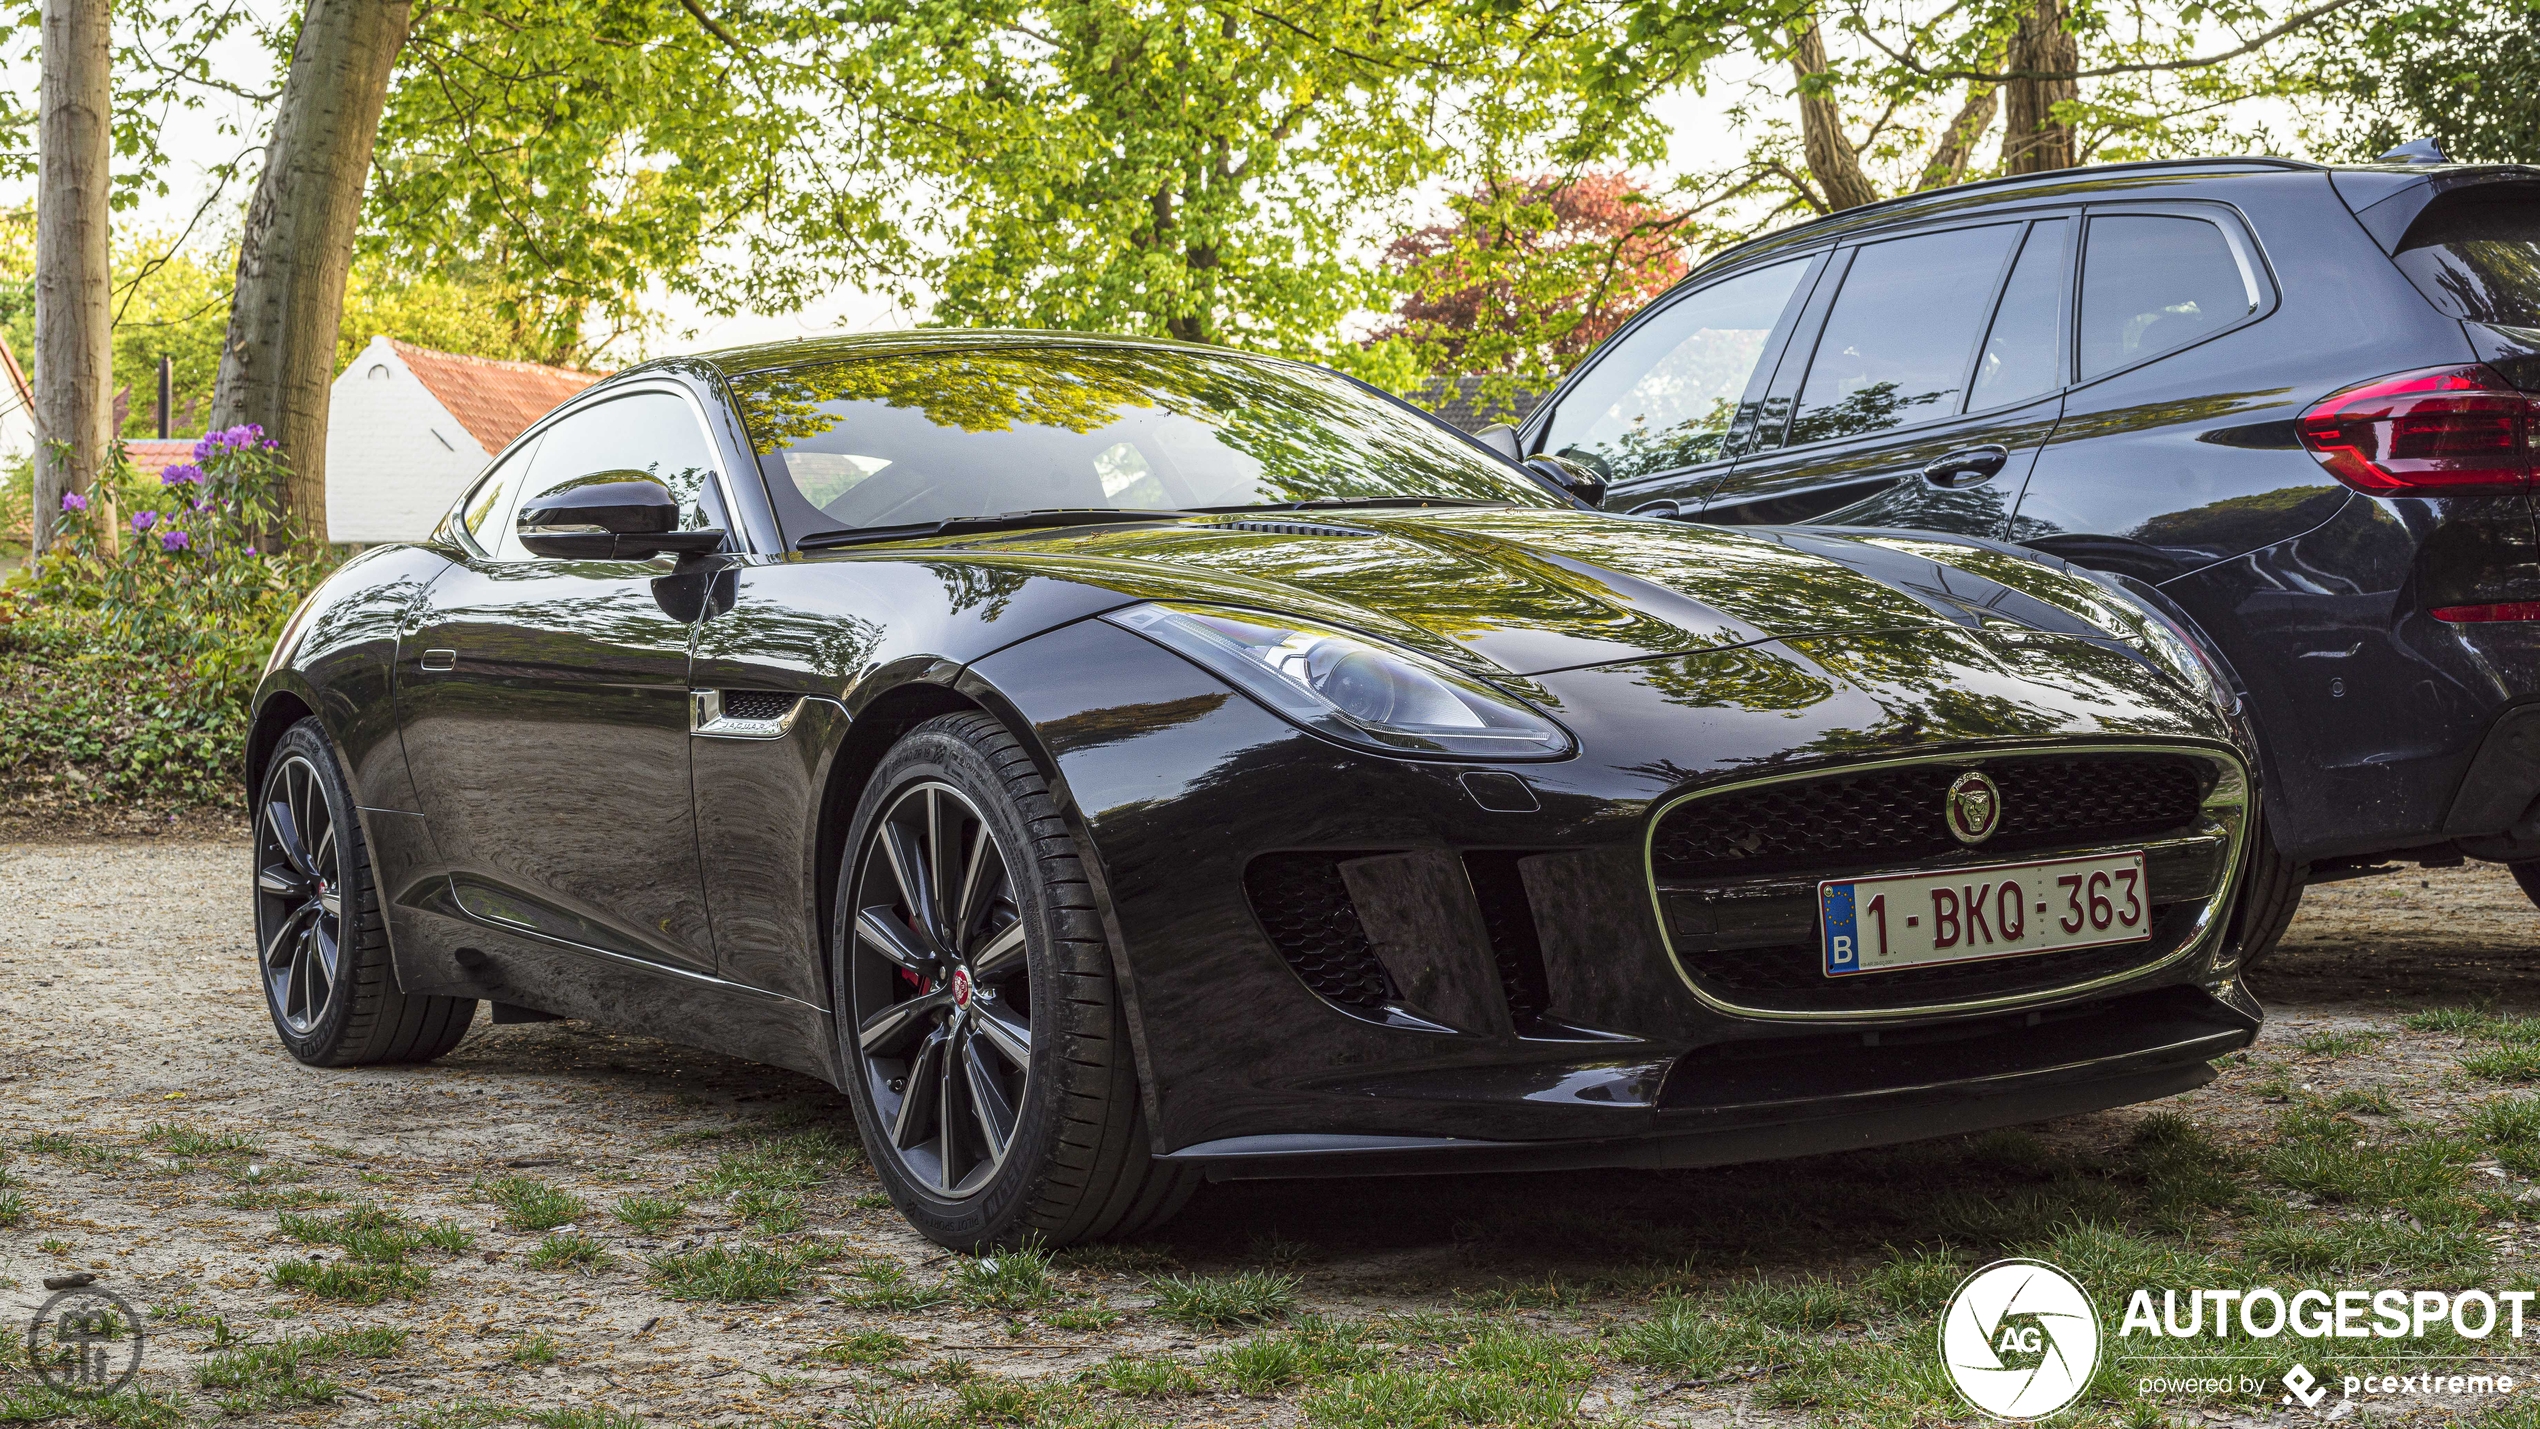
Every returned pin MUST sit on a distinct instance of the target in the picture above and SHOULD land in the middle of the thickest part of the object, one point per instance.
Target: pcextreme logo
(2020, 1339)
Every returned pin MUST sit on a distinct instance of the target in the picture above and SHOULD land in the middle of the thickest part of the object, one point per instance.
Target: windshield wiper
(1325, 502)
(969, 525)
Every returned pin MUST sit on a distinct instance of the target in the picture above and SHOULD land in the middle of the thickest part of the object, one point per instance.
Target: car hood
(1528, 592)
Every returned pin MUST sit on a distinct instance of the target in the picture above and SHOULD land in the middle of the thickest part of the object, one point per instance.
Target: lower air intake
(1304, 906)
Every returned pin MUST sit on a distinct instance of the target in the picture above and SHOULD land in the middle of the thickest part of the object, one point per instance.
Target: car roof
(2057, 183)
(804, 351)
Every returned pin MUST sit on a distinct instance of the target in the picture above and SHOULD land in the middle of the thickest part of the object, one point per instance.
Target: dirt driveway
(558, 1225)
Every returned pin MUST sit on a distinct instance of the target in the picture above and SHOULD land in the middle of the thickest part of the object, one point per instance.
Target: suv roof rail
(1901, 201)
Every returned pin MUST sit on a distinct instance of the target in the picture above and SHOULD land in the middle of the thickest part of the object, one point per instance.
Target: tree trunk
(278, 363)
(2033, 140)
(74, 350)
(1832, 160)
(1957, 146)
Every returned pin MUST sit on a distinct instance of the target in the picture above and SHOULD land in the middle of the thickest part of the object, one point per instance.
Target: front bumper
(1805, 1096)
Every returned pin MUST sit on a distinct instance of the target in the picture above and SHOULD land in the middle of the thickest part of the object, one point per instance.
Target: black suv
(2293, 399)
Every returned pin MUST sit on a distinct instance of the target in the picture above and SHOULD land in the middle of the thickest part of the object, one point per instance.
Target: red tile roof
(153, 456)
(496, 401)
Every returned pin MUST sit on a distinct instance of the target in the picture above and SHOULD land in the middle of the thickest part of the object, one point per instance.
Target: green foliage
(570, 1250)
(649, 1213)
(735, 1273)
(1210, 1301)
(2466, 75)
(1007, 1280)
(125, 672)
(1145, 1378)
(530, 1204)
(356, 1282)
(863, 1347)
(262, 1377)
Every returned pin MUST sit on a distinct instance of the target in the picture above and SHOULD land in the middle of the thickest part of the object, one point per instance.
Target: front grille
(1844, 822)
(756, 704)
(1305, 907)
(1792, 978)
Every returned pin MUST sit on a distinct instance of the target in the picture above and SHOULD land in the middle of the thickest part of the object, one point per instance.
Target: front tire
(322, 944)
(2269, 897)
(979, 1022)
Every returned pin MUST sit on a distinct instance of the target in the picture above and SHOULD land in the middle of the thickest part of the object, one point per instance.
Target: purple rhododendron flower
(181, 474)
(144, 520)
(73, 501)
(174, 540)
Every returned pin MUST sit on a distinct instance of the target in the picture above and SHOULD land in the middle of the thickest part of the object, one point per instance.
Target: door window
(487, 507)
(2153, 283)
(655, 433)
(1902, 334)
(1663, 397)
(2021, 358)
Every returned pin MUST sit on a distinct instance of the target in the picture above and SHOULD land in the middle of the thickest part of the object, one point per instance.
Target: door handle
(1967, 466)
(438, 661)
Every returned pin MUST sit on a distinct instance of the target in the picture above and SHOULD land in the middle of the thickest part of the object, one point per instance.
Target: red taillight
(2428, 433)
(2500, 610)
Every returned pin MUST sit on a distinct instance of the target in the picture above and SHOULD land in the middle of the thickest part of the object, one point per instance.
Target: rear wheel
(2269, 897)
(322, 946)
(986, 1050)
(2528, 875)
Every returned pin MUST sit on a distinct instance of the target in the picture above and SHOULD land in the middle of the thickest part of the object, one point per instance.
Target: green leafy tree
(2467, 75)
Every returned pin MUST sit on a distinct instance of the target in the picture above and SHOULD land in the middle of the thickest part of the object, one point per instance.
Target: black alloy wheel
(299, 896)
(942, 990)
(321, 945)
(981, 1031)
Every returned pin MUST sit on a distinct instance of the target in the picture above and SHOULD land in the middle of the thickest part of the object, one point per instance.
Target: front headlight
(1348, 687)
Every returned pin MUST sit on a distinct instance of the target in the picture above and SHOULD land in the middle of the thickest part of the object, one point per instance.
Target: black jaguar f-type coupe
(1117, 764)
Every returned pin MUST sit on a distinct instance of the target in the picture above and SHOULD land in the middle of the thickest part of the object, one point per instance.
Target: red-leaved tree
(1531, 274)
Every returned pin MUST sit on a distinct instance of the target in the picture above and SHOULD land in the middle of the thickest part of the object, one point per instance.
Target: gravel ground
(128, 1005)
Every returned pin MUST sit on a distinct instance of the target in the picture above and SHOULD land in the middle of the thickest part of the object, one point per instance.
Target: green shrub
(125, 676)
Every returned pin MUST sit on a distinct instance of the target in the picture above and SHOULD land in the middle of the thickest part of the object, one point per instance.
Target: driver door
(545, 706)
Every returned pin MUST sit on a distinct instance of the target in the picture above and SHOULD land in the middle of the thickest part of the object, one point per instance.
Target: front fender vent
(1305, 908)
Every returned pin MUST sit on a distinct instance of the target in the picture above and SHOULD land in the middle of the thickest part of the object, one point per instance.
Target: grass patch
(769, 1212)
(1143, 1378)
(2344, 1042)
(648, 1213)
(1806, 1305)
(2510, 1127)
(1211, 1301)
(2459, 1021)
(124, 1409)
(531, 1205)
(262, 1377)
(1390, 1398)
(13, 1209)
(796, 1162)
(2443, 1256)
(1010, 1280)
(2336, 1160)
(1917, 1282)
(570, 1250)
(194, 1143)
(885, 1285)
(1140, 1261)
(539, 1348)
(1083, 1317)
(375, 1233)
(284, 1198)
(597, 1416)
(2517, 1062)
(355, 1282)
(865, 1347)
(735, 1273)
(1312, 1349)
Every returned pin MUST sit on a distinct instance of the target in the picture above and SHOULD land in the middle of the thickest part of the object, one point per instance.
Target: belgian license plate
(2003, 910)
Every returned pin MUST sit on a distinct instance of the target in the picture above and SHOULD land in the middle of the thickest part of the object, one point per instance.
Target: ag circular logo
(2020, 1339)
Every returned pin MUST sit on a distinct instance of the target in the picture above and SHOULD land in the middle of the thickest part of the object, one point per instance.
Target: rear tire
(2528, 875)
(957, 853)
(321, 941)
(2269, 897)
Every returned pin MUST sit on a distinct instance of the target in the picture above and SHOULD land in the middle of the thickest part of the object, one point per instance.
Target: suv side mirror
(1566, 475)
(610, 516)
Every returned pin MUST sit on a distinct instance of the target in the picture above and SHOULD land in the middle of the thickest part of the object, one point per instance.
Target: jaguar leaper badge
(1973, 808)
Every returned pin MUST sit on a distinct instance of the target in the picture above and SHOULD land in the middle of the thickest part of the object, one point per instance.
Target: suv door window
(2152, 283)
(1663, 397)
(2021, 356)
(652, 432)
(1902, 334)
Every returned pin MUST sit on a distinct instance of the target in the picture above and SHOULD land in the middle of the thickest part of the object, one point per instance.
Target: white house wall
(395, 457)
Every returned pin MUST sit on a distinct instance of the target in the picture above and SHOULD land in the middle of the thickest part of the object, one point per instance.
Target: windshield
(907, 439)
(2476, 253)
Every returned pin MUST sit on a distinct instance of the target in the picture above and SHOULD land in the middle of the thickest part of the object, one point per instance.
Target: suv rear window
(2475, 253)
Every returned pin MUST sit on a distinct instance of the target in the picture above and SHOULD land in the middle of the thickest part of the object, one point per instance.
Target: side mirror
(1501, 438)
(610, 516)
(1570, 476)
